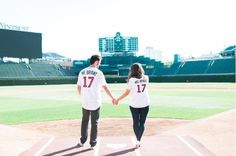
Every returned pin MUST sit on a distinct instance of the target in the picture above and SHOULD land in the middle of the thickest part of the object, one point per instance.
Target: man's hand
(114, 101)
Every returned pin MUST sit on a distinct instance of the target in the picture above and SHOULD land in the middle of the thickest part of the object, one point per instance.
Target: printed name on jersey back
(89, 72)
(140, 81)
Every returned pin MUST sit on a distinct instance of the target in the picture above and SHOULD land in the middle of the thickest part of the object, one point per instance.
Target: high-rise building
(118, 45)
(153, 53)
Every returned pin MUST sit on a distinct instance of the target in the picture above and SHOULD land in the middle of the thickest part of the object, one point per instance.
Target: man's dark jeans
(94, 126)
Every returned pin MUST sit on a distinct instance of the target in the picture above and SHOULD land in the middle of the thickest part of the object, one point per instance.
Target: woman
(139, 105)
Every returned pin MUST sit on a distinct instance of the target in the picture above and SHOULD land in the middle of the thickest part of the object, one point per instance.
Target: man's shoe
(92, 147)
(80, 144)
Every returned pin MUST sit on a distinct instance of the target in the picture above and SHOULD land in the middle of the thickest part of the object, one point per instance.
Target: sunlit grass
(22, 104)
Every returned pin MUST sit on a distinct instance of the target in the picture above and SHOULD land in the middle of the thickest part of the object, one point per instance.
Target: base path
(162, 145)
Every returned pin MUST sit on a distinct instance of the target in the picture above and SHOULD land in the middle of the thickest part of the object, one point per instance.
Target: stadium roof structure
(229, 51)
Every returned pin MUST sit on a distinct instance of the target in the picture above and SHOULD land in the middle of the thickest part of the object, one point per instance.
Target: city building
(153, 53)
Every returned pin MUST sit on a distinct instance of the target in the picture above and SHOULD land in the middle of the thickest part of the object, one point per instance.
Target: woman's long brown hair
(136, 71)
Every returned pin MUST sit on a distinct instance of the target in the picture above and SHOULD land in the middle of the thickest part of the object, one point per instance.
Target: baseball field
(188, 101)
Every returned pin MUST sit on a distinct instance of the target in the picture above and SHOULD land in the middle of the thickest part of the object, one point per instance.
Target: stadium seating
(226, 65)
(120, 65)
(193, 67)
(16, 70)
(162, 70)
(45, 70)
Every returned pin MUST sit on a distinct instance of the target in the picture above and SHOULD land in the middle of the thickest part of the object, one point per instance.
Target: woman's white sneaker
(138, 144)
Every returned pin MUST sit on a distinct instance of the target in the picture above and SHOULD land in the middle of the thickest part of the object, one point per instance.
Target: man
(90, 82)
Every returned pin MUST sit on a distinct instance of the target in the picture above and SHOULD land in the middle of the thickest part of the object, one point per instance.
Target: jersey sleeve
(79, 80)
(129, 84)
(102, 79)
(147, 78)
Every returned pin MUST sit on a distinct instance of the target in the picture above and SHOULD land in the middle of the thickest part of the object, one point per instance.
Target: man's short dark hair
(94, 58)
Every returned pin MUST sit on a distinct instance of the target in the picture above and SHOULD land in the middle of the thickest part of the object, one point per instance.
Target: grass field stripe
(44, 147)
(137, 151)
(98, 146)
(190, 146)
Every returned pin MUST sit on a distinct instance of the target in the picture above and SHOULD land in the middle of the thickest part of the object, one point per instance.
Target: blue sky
(72, 27)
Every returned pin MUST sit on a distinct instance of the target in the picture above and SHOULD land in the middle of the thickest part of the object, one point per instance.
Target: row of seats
(214, 66)
(32, 70)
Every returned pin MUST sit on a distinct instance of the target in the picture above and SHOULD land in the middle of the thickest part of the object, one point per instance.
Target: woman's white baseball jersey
(139, 92)
(91, 80)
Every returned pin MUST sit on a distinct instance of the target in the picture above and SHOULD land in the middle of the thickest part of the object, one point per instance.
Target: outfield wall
(37, 81)
(194, 78)
(114, 79)
(181, 78)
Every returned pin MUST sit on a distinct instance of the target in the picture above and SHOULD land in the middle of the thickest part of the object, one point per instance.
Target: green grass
(21, 104)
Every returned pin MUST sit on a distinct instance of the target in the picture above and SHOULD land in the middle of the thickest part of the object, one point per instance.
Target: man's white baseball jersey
(91, 81)
(139, 93)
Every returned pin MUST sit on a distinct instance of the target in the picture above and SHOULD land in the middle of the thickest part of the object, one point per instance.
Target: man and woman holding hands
(89, 84)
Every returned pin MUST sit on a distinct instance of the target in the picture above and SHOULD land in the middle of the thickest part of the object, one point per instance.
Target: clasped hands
(115, 101)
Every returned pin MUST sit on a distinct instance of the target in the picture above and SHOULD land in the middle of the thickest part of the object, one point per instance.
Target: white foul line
(137, 151)
(189, 145)
(44, 147)
(97, 147)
